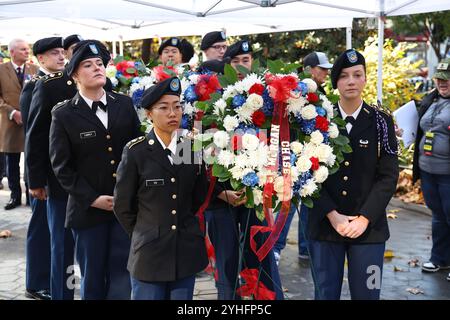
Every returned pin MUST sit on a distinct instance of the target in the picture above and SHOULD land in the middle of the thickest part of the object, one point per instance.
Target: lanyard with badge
(429, 135)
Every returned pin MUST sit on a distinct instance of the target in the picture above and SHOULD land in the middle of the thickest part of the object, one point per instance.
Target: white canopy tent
(134, 19)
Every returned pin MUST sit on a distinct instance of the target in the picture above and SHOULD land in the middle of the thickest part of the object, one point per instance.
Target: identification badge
(428, 145)
(154, 183)
(87, 135)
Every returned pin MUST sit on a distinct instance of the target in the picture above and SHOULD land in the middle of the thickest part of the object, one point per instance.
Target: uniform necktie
(98, 104)
(168, 152)
(350, 119)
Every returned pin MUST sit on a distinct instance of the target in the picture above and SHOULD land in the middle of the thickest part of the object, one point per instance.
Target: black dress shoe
(38, 295)
(12, 203)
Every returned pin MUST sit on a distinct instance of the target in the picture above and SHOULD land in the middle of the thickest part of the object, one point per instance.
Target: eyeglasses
(167, 109)
(220, 47)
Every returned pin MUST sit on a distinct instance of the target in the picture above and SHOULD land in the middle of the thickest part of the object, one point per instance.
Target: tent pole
(380, 52)
(348, 37)
(114, 49)
(121, 47)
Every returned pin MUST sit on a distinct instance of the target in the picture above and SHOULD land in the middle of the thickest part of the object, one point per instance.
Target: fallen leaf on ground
(5, 234)
(285, 289)
(413, 263)
(388, 254)
(391, 216)
(415, 290)
(398, 269)
(394, 210)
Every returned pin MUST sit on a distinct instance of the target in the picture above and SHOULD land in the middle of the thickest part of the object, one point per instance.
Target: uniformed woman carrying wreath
(156, 198)
(349, 219)
(87, 136)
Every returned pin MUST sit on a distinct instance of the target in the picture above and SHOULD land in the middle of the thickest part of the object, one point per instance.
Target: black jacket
(364, 184)
(25, 98)
(156, 203)
(85, 155)
(427, 101)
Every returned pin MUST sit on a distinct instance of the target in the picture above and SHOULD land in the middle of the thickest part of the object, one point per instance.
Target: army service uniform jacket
(363, 185)
(85, 155)
(156, 203)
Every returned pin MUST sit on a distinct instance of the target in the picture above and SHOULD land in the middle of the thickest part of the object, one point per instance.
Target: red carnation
(312, 97)
(315, 163)
(322, 123)
(258, 118)
(206, 85)
(164, 72)
(257, 88)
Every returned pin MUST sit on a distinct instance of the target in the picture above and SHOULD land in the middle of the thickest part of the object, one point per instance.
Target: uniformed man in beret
(349, 219)
(157, 195)
(50, 55)
(187, 51)
(87, 136)
(214, 45)
(170, 50)
(240, 53)
(70, 43)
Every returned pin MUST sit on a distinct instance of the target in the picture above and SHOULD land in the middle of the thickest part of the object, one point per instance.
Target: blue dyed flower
(135, 80)
(136, 97)
(293, 159)
(190, 95)
(302, 88)
(267, 107)
(247, 127)
(238, 101)
(185, 121)
(250, 179)
(321, 111)
(307, 126)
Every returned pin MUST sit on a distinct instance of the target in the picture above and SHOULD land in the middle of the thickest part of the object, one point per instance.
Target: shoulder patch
(135, 141)
(52, 76)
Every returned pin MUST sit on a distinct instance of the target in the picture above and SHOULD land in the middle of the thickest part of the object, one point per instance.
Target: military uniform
(156, 203)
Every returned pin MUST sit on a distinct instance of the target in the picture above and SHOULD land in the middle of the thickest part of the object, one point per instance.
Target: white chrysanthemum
(250, 142)
(244, 113)
(185, 83)
(262, 155)
(111, 71)
(114, 81)
(328, 106)
(242, 160)
(333, 130)
(312, 85)
(142, 114)
(331, 160)
(146, 82)
(308, 188)
(225, 158)
(278, 184)
(295, 105)
(323, 152)
(249, 81)
(221, 139)
(321, 174)
(189, 109)
(254, 101)
(257, 196)
(253, 159)
(194, 78)
(309, 150)
(303, 164)
(239, 173)
(219, 107)
(230, 123)
(309, 112)
(296, 147)
(316, 137)
(229, 92)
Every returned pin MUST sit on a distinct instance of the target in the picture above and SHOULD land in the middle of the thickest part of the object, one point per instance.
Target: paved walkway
(410, 239)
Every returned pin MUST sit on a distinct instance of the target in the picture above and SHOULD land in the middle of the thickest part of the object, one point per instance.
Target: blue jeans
(182, 289)
(436, 191)
(302, 223)
(365, 268)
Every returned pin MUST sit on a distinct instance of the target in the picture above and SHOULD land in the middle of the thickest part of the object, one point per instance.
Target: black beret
(187, 51)
(45, 44)
(171, 86)
(240, 47)
(212, 37)
(87, 49)
(172, 42)
(347, 59)
(216, 66)
(70, 40)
